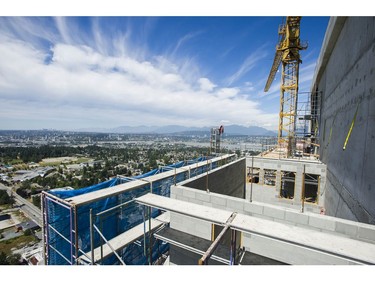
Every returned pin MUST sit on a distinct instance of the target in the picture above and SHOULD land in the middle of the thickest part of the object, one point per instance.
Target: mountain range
(182, 130)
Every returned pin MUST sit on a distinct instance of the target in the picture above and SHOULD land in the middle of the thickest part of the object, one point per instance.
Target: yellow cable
(351, 127)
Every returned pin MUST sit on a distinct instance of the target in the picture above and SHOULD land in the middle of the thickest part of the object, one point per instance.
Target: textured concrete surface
(346, 78)
(227, 180)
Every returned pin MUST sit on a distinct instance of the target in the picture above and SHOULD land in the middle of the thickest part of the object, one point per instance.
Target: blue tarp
(61, 252)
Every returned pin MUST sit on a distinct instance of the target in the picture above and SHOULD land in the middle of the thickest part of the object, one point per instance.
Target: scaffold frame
(72, 213)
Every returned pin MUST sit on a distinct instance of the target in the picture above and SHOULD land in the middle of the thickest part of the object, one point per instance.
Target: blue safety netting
(60, 226)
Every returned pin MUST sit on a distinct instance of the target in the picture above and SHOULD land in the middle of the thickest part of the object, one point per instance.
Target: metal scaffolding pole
(251, 185)
(92, 237)
(109, 245)
(233, 242)
(303, 188)
(144, 231)
(76, 233)
(149, 237)
(45, 229)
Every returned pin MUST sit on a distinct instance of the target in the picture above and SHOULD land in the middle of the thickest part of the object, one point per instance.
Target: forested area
(113, 162)
(8, 155)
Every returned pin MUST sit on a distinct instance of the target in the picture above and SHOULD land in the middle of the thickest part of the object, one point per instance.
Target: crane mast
(287, 54)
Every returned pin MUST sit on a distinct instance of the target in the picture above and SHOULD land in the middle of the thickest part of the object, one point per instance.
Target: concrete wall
(270, 194)
(227, 180)
(345, 75)
(280, 251)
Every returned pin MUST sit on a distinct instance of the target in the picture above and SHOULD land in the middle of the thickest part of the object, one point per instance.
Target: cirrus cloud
(81, 86)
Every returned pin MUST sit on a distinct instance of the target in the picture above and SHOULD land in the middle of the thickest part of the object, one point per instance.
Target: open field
(59, 160)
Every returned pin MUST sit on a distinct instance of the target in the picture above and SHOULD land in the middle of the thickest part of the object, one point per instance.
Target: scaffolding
(307, 124)
(83, 226)
(215, 140)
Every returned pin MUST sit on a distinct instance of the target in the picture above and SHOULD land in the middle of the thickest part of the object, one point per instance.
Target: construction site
(306, 201)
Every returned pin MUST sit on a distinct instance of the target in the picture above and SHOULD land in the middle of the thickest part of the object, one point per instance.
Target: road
(29, 209)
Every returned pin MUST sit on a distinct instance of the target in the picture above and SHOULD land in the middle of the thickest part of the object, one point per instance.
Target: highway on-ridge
(29, 209)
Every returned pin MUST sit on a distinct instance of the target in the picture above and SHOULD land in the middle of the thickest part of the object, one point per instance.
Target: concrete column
(298, 185)
(261, 176)
(278, 181)
(322, 186)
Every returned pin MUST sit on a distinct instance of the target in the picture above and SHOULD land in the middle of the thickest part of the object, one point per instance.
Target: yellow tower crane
(287, 53)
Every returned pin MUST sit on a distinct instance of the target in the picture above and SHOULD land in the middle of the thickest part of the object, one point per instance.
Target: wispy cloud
(85, 84)
(184, 40)
(62, 27)
(98, 41)
(249, 63)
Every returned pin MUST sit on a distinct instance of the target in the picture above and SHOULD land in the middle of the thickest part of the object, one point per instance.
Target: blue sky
(103, 72)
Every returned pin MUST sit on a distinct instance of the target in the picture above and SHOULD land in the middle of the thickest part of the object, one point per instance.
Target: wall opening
(252, 176)
(311, 188)
(270, 177)
(288, 180)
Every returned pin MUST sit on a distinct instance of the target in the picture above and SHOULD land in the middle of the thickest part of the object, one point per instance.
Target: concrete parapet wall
(288, 253)
(190, 225)
(277, 250)
(228, 180)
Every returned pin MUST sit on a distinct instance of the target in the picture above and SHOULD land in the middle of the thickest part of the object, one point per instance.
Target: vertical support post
(45, 228)
(92, 237)
(144, 231)
(303, 189)
(149, 237)
(76, 232)
(245, 183)
(233, 247)
(207, 177)
(151, 187)
(251, 184)
(101, 239)
(71, 235)
(175, 175)
(318, 191)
